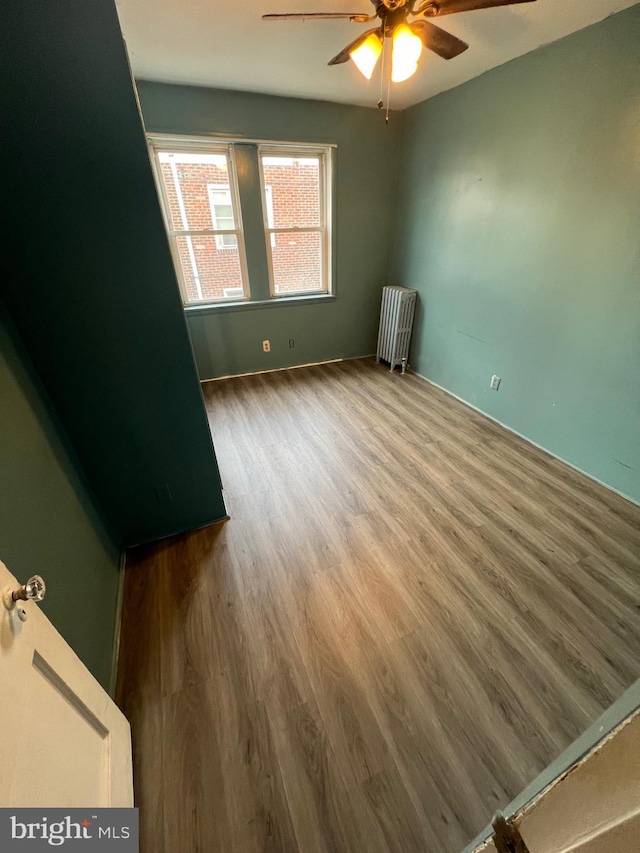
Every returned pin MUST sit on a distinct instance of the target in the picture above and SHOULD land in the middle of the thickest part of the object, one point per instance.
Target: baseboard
(526, 438)
(117, 624)
(291, 367)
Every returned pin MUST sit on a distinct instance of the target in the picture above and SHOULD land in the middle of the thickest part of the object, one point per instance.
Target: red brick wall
(296, 257)
(217, 268)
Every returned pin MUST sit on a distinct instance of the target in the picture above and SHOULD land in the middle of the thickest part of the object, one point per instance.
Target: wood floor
(410, 613)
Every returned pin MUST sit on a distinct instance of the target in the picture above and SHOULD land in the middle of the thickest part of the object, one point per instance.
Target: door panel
(65, 742)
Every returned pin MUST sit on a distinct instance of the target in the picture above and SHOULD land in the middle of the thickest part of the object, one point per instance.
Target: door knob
(33, 590)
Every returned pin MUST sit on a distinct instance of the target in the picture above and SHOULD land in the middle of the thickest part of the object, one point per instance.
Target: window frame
(301, 151)
(178, 145)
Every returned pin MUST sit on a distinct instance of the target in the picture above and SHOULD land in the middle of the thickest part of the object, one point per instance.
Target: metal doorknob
(33, 590)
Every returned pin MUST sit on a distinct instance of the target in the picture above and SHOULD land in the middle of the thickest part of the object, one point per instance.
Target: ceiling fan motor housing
(429, 8)
(389, 4)
(400, 9)
(391, 17)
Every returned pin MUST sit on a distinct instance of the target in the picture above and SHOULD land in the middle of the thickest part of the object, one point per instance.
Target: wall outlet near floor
(163, 493)
(495, 382)
(292, 343)
(266, 346)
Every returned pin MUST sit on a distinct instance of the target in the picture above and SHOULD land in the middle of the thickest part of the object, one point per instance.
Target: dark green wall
(230, 341)
(48, 522)
(92, 291)
(519, 224)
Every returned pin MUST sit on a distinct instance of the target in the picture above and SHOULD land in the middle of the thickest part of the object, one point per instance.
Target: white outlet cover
(495, 382)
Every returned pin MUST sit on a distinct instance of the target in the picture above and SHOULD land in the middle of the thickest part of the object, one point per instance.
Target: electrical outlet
(266, 346)
(495, 382)
(292, 343)
(163, 494)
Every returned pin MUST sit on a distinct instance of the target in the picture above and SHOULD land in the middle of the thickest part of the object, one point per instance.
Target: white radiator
(396, 321)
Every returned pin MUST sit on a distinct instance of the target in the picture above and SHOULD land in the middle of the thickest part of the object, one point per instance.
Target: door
(64, 742)
(593, 806)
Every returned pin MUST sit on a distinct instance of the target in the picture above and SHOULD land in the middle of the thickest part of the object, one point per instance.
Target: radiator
(396, 320)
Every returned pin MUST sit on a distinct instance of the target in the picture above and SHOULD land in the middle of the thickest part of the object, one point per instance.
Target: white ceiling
(227, 45)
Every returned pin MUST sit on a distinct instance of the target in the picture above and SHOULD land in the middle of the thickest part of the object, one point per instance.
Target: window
(200, 201)
(202, 184)
(222, 215)
(295, 189)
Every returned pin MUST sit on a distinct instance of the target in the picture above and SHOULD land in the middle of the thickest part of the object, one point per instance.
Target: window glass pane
(292, 186)
(187, 178)
(226, 241)
(209, 270)
(297, 261)
(221, 208)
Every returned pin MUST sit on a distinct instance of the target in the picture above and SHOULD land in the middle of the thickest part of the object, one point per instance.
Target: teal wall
(48, 522)
(92, 289)
(519, 224)
(230, 341)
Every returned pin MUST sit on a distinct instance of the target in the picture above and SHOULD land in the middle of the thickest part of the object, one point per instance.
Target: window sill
(227, 307)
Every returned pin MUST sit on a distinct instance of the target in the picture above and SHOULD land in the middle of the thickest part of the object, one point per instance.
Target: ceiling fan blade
(450, 7)
(343, 56)
(356, 17)
(437, 40)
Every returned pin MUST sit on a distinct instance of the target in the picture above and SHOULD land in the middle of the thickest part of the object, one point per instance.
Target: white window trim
(326, 182)
(205, 146)
(268, 197)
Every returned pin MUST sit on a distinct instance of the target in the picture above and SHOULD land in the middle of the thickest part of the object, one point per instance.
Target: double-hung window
(296, 199)
(201, 191)
(199, 196)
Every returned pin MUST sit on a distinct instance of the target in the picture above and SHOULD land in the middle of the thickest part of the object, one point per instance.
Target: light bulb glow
(367, 54)
(407, 48)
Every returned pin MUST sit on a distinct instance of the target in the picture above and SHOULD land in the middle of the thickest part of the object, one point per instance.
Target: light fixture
(407, 47)
(367, 54)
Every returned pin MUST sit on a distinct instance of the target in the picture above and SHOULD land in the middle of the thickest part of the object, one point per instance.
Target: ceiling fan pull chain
(382, 64)
(386, 118)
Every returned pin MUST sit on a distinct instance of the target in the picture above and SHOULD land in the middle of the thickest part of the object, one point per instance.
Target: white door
(64, 741)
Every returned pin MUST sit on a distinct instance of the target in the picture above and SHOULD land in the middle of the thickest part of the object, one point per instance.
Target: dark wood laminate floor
(410, 613)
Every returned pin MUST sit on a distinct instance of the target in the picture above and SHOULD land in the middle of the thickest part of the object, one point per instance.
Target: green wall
(230, 341)
(518, 222)
(48, 522)
(92, 289)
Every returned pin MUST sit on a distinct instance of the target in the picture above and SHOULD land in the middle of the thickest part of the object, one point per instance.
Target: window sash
(324, 191)
(167, 145)
(272, 244)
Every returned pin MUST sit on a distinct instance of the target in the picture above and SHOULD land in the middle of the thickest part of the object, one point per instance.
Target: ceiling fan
(408, 36)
